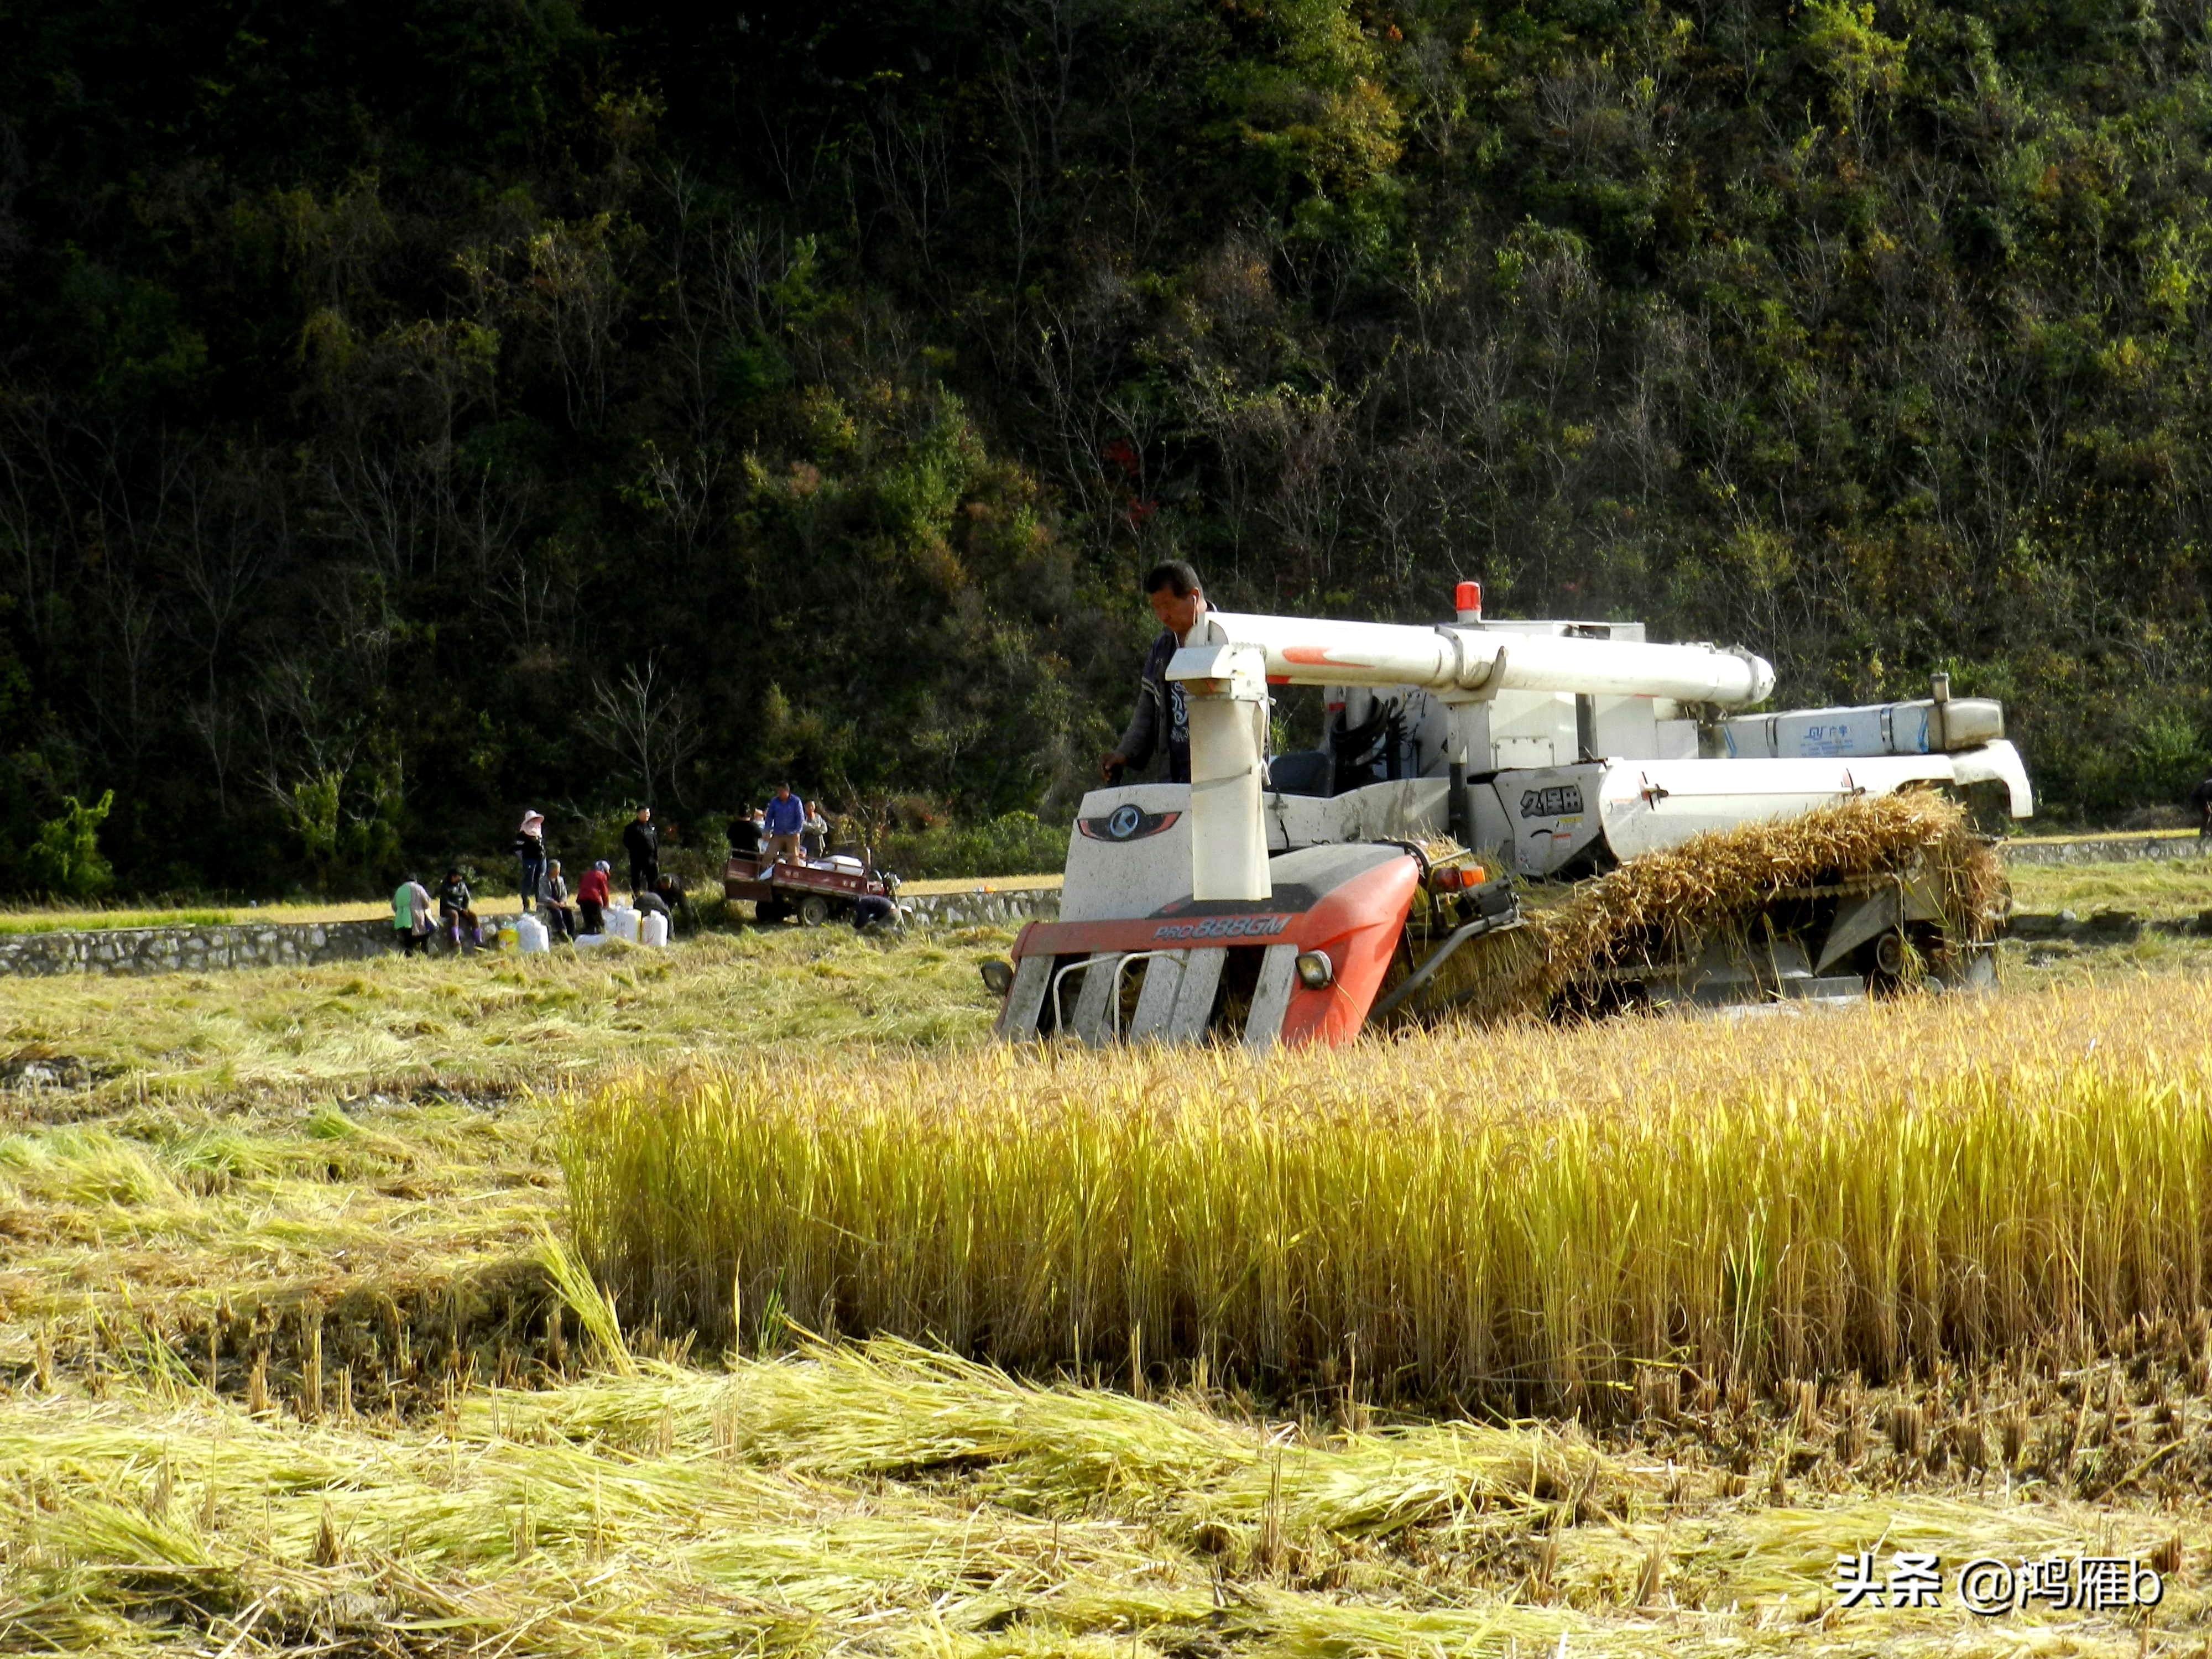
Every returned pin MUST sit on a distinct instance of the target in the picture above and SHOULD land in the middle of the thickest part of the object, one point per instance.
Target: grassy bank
(1523, 1214)
(2150, 887)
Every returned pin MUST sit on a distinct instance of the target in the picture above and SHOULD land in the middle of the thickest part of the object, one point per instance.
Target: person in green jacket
(410, 916)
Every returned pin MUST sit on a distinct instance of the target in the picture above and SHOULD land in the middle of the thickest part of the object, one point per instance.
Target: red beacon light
(1466, 599)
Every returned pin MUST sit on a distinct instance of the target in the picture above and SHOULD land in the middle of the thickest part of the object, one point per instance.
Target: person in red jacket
(591, 897)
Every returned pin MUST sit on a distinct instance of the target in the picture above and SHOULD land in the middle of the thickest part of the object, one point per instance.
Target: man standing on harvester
(1177, 600)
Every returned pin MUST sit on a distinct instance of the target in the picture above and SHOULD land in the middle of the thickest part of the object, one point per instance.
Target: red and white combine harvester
(1271, 900)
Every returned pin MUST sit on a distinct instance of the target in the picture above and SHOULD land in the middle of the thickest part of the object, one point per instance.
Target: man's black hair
(1177, 574)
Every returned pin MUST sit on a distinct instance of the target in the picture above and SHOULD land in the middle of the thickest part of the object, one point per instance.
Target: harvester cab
(1296, 898)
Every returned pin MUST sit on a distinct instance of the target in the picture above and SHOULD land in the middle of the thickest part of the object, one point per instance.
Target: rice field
(493, 1023)
(744, 1300)
(885, 1499)
(1523, 1218)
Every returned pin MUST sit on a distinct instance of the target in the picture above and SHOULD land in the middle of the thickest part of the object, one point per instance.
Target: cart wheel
(815, 911)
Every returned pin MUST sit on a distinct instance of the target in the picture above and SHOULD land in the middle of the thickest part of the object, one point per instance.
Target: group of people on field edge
(789, 830)
(544, 891)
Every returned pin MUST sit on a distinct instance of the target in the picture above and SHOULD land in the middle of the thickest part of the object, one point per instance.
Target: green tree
(65, 860)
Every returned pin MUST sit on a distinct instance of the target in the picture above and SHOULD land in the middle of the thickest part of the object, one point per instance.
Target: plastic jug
(530, 934)
(510, 938)
(656, 930)
(622, 923)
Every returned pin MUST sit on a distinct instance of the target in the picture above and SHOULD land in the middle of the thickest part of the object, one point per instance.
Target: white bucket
(530, 935)
(656, 930)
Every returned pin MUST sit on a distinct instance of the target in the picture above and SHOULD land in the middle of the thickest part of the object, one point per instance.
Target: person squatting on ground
(1162, 719)
(666, 899)
(410, 916)
(457, 915)
(591, 898)
(642, 843)
(530, 854)
(560, 916)
(785, 818)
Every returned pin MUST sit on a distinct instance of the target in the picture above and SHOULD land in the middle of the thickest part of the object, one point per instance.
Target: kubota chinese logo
(1128, 821)
(1555, 802)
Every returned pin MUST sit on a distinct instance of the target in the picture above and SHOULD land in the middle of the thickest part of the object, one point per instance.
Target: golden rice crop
(1524, 1212)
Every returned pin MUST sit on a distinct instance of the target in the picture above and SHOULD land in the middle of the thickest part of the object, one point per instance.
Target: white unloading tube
(1306, 651)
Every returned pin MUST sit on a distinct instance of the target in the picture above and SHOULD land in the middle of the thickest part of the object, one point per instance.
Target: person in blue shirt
(786, 816)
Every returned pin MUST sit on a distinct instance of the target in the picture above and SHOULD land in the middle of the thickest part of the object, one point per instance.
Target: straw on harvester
(1665, 907)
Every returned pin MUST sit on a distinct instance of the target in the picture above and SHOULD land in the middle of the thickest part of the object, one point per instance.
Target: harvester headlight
(997, 976)
(1315, 971)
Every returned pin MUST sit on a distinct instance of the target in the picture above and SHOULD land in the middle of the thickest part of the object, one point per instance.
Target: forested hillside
(414, 411)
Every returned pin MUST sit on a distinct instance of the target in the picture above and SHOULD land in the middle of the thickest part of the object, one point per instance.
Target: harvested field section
(485, 1023)
(1524, 1217)
(890, 1501)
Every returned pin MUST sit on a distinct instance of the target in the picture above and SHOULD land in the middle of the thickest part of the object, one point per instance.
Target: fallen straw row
(888, 1501)
(1523, 1214)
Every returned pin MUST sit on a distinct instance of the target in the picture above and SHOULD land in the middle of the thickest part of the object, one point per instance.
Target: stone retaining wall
(303, 944)
(1007, 909)
(173, 950)
(2103, 850)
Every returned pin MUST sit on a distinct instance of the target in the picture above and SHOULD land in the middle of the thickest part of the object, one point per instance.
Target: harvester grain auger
(1717, 856)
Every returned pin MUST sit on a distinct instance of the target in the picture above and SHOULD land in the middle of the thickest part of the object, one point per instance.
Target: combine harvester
(1751, 857)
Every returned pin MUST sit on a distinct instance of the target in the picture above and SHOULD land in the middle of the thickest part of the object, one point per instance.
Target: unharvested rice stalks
(1665, 907)
(1521, 1216)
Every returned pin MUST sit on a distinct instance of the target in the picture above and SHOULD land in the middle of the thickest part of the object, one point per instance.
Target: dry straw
(1665, 907)
(887, 1501)
(1524, 1213)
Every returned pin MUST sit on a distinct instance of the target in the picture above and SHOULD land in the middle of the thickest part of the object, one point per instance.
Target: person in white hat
(530, 854)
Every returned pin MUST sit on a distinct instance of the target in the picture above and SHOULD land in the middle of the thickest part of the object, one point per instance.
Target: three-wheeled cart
(825, 889)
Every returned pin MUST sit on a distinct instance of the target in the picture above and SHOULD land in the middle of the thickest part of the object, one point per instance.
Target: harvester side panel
(1649, 806)
(1357, 927)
